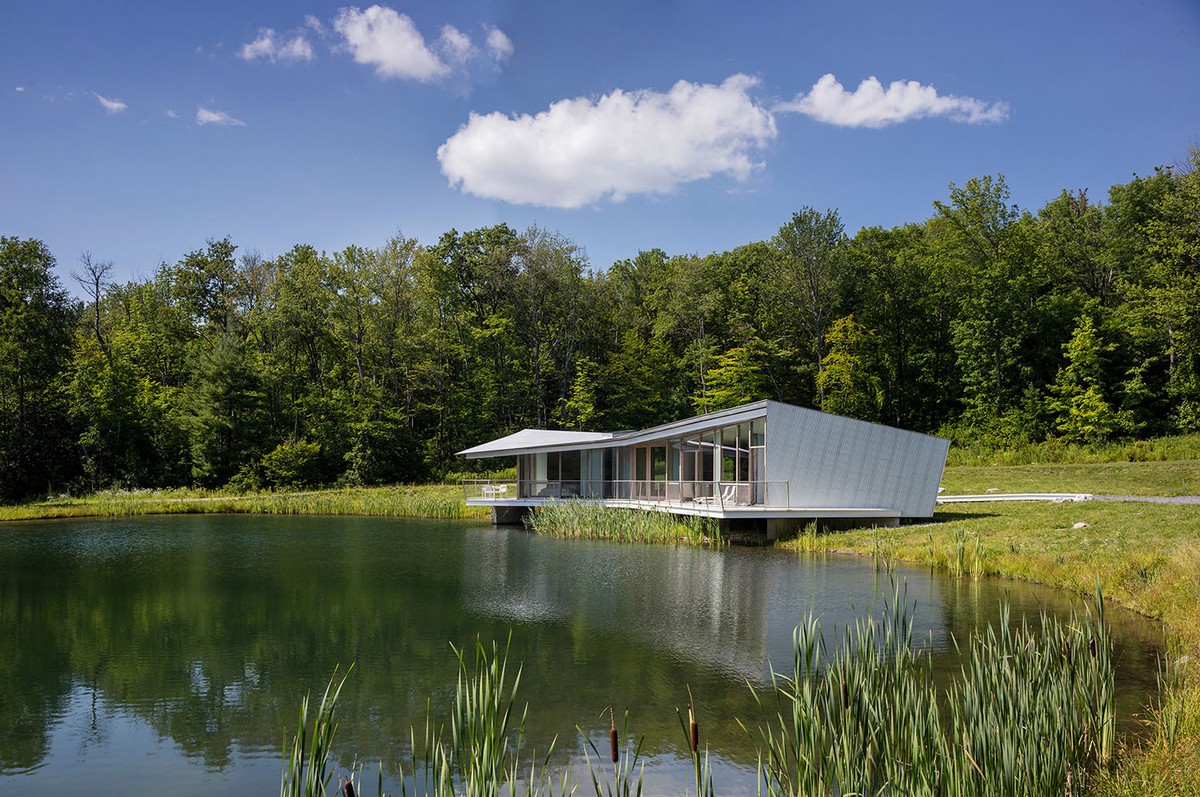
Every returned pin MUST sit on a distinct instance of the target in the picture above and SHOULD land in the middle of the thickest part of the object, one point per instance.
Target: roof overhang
(532, 441)
(538, 441)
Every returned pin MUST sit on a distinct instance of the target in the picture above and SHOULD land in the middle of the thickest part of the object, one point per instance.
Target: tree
(208, 285)
(849, 387)
(551, 300)
(736, 378)
(809, 273)
(985, 249)
(227, 429)
(36, 322)
(94, 280)
(905, 304)
(1083, 413)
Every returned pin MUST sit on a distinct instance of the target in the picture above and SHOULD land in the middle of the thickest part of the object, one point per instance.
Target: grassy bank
(1144, 556)
(437, 501)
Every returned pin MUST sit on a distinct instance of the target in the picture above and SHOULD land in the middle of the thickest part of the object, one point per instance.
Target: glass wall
(728, 464)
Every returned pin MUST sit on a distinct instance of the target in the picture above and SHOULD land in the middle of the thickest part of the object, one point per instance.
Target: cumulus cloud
(871, 105)
(581, 150)
(270, 46)
(207, 116)
(171, 114)
(499, 45)
(111, 106)
(456, 45)
(389, 41)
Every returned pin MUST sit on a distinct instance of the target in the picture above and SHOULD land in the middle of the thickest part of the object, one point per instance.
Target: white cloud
(389, 41)
(205, 116)
(20, 89)
(272, 47)
(581, 150)
(171, 114)
(499, 45)
(111, 106)
(870, 105)
(456, 45)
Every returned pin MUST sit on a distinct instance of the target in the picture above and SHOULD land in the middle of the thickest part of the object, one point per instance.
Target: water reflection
(176, 649)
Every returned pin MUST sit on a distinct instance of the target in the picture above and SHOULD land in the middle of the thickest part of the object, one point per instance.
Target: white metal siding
(835, 462)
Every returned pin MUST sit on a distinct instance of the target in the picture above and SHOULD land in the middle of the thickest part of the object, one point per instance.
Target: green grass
(1160, 449)
(438, 501)
(1112, 478)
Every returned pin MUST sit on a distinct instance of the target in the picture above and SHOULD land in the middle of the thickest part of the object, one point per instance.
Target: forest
(985, 323)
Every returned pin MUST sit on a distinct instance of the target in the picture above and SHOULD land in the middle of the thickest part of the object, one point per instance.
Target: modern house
(769, 461)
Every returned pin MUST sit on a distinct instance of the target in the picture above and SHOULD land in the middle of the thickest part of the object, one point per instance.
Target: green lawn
(1110, 478)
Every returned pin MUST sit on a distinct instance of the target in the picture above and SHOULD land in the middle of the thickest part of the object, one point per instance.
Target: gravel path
(1151, 499)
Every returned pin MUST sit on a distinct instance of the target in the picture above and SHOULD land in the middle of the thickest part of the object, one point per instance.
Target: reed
(702, 782)
(438, 502)
(576, 519)
(1031, 713)
(306, 771)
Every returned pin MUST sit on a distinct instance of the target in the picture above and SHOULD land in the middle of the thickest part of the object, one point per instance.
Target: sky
(137, 131)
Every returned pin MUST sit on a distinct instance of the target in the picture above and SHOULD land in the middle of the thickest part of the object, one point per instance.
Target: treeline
(985, 323)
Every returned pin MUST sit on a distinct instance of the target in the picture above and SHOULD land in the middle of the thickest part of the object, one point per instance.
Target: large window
(556, 474)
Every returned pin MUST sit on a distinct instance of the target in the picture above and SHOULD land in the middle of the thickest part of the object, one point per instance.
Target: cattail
(845, 688)
(695, 726)
(348, 788)
(612, 735)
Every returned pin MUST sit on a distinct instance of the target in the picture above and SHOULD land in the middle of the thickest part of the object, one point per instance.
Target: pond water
(171, 654)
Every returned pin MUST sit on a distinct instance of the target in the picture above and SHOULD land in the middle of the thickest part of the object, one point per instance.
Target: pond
(172, 653)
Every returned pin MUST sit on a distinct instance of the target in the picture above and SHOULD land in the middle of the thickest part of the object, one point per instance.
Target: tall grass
(439, 502)
(1032, 712)
(480, 754)
(587, 520)
(1179, 447)
(306, 771)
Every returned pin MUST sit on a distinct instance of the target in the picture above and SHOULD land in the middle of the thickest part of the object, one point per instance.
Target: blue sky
(138, 130)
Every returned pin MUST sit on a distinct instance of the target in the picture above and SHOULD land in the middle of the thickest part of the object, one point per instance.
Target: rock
(1081, 525)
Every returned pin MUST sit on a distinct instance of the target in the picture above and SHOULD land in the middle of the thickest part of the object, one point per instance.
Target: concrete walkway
(1059, 498)
(1152, 499)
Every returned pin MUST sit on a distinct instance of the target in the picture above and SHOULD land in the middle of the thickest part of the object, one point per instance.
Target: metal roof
(537, 441)
(530, 440)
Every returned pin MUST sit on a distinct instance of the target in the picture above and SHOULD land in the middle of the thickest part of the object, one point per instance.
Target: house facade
(766, 460)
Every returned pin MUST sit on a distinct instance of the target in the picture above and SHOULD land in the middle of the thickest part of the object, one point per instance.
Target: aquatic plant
(1032, 712)
(589, 520)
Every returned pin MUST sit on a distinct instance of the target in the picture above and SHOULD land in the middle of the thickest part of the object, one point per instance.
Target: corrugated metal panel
(831, 461)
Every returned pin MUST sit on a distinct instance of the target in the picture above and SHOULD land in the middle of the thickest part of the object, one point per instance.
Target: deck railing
(638, 491)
